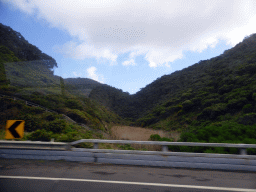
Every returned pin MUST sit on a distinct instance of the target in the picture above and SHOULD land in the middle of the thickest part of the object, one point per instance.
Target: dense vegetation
(221, 132)
(43, 125)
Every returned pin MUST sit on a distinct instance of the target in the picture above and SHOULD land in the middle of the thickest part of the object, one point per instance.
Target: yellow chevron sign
(14, 129)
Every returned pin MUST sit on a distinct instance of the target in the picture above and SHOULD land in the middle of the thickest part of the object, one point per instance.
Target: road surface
(58, 176)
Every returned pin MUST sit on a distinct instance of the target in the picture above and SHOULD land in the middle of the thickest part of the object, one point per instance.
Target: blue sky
(129, 44)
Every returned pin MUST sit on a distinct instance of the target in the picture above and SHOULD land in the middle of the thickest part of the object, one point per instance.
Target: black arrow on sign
(13, 127)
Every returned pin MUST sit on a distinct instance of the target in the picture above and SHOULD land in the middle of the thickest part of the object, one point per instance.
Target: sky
(129, 44)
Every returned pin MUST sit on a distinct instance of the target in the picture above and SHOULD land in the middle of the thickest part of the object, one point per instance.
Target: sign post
(14, 129)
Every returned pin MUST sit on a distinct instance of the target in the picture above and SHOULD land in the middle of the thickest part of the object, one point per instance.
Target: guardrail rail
(164, 158)
(165, 144)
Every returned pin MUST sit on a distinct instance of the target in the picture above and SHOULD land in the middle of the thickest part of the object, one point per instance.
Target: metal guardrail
(165, 144)
(61, 151)
(33, 145)
(68, 146)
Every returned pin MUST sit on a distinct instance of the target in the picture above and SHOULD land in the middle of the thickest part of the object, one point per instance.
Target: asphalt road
(53, 176)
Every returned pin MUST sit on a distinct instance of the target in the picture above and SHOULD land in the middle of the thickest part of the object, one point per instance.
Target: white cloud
(83, 50)
(129, 62)
(161, 30)
(77, 74)
(25, 6)
(91, 73)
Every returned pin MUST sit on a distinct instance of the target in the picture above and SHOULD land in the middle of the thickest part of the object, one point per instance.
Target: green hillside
(80, 86)
(31, 79)
(214, 90)
(205, 91)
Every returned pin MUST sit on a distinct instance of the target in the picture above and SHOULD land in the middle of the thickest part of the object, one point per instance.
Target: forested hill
(206, 90)
(80, 86)
(81, 82)
(26, 73)
(21, 48)
(215, 74)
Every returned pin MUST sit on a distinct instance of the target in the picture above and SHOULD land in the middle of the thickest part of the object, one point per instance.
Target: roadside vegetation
(43, 125)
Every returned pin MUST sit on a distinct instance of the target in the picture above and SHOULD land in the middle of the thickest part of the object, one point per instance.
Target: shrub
(169, 103)
(174, 108)
(69, 137)
(77, 116)
(57, 126)
(248, 119)
(187, 105)
(254, 96)
(32, 122)
(167, 139)
(225, 89)
(147, 120)
(251, 69)
(50, 116)
(40, 135)
(197, 101)
(74, 104)
(209, 102)
(186, 96)
(213, 111)
(71, 128)
(247, 108)
(159, 110)
(155, 137)
(37, 110)
(237, 103)
(225, 117)
(126, 147)
(180, 112)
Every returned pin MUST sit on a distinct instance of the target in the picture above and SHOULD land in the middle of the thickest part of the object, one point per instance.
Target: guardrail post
(68, 147)
(95, 146)
(243, 151)
(164, 148)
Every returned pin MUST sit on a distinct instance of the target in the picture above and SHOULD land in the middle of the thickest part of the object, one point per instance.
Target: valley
(211, 101)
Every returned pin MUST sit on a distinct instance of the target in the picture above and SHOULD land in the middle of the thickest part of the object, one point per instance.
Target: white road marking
(130, 183)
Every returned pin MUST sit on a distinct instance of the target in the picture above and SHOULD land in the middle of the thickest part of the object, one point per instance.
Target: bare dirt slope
(138, 133)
